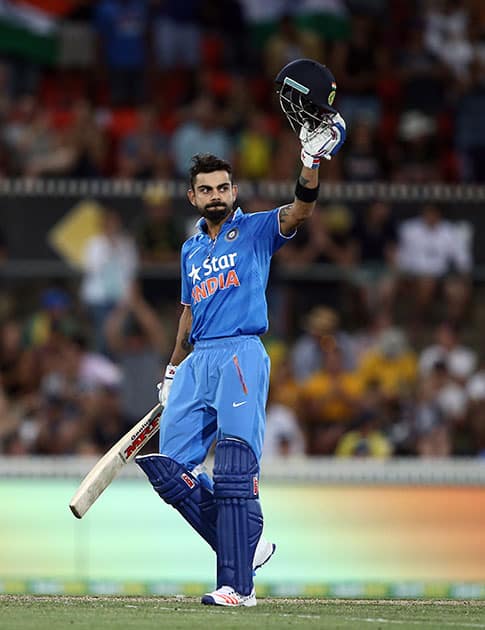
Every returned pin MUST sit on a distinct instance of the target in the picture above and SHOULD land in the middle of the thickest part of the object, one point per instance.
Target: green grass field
(147, 613)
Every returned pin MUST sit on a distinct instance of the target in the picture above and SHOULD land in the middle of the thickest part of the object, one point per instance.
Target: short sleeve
(266, 226)
(186, 292)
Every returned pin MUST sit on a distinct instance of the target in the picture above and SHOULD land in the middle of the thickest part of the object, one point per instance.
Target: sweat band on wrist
(307, 195)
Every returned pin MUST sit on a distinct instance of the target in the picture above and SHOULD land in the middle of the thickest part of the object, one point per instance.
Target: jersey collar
(202, 224)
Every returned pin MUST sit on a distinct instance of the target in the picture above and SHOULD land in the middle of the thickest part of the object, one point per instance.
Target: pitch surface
(180, 613)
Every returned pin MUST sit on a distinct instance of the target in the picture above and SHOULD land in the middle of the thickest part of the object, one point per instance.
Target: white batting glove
(322, 142)
(166, 384)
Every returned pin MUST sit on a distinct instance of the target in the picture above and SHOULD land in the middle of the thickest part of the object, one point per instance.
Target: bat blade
(112, 462)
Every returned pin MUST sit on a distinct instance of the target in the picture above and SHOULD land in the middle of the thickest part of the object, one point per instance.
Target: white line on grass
(451, 624)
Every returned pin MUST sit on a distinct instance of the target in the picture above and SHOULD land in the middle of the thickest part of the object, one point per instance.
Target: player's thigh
(242, 394)
(187, 428)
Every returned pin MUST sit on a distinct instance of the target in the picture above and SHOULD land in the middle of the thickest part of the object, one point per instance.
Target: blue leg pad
(239, 515)
(178, 487)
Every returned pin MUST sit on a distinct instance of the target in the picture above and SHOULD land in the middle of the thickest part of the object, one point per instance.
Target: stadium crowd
(372, 363)
(130, 86)
(81, 369)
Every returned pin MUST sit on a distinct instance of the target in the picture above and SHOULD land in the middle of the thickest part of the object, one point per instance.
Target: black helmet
(307, 90)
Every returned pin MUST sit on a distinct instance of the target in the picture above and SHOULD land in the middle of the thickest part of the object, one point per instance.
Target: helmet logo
(331, 96)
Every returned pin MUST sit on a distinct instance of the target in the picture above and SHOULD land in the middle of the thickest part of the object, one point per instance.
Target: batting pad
(239, 515)
(179, 488)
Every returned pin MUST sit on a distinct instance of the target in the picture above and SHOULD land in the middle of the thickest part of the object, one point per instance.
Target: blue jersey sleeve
(266, 226)
(186, 291)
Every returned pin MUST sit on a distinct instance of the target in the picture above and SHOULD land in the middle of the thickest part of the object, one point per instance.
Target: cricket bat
(106, 469)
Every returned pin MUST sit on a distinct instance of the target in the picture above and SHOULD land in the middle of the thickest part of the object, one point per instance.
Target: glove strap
(309, 160)
(170, 371)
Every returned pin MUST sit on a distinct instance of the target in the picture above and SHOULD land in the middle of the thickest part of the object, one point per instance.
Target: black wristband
(307, 195)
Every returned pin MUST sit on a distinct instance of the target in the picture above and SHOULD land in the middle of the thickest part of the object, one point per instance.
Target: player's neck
(213, 229)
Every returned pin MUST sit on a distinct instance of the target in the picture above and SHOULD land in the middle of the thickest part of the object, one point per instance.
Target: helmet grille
(299, 109)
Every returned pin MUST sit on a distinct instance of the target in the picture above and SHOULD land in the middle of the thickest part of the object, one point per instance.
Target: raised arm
(322, 142)
(293, 214)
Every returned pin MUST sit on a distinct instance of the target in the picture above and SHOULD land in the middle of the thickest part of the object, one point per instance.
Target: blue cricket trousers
(219, 390)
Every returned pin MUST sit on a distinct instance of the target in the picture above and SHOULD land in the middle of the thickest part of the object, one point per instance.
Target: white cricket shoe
(227, 596)
(264, 551)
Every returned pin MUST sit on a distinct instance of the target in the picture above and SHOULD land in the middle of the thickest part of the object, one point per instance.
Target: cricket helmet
(306, 90)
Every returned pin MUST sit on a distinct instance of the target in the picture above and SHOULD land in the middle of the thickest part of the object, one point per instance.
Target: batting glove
(166, 384)
(322, 142)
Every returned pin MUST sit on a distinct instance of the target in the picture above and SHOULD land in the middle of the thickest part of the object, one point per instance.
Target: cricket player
(216, 384)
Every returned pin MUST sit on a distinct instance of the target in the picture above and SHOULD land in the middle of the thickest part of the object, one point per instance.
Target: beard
(215, 213)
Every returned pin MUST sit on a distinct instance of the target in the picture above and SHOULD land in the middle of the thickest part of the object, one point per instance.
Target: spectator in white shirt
(110, 264)
(459, 361)
(435, 254)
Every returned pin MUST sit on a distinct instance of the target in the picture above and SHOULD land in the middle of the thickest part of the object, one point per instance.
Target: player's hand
(166, 384)
(322, 142)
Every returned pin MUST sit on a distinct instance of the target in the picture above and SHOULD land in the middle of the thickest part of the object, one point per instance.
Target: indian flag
(30, 30)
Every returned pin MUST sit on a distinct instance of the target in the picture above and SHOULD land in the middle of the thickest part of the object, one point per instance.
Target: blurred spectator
(82, 370)
(255, 148)
(3, 247)
(16, 130)
(288, 43)
(475, 388)
(159, 233)
(354, 64)
(433, 254)
(37, 148)
(110, 264)
(176, 33)
(10, 443)
(283, 436)
(321, 335)
(391, 364)
(364, 440)
(330, 401)
(55, 315)
(226, 35)
(106, 419)
(423, 76)
(458, 360)
(446, 35)
(288, 152)
(201, 132)
(416, 158)
(432, 431)
(136, 340)
(375, 242)
(367, 336)
(122, 28)
(87, 142)
(12, 359)
(144, 152)
(324, 238)
(452, 400)
(363, 159)
(56, 427)
(284, 386)
(470, 126)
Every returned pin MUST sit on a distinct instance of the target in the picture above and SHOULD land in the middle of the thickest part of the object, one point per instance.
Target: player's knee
(171, 480)
(236, 470)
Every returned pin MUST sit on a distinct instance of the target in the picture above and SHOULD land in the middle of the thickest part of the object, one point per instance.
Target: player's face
(213, 195)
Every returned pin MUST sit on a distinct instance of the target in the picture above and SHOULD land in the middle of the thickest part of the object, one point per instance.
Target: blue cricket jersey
(224, 281)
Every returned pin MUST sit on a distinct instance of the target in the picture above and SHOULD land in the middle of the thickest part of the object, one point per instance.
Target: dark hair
(207, 163)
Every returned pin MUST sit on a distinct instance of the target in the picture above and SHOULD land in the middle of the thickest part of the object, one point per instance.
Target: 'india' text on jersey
(224, 280)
